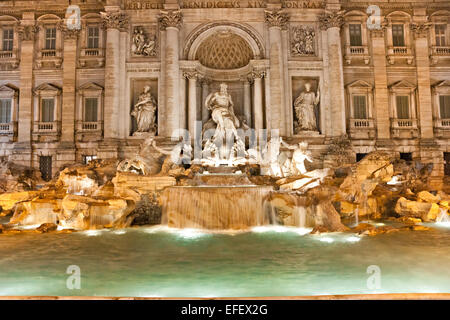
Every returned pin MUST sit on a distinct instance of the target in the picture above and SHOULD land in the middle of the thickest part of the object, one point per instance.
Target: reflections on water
(268, 261)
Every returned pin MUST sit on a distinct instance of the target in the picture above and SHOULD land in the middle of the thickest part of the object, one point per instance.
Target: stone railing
(357, 52)
(361, 123)
(404, 128)
(440, 51)
(49, 56)
(46, 127)
(10, 57)
(92, 55)
(404, 123)
(8, 128)
(442, 128)
(89, 126)
(400, 52)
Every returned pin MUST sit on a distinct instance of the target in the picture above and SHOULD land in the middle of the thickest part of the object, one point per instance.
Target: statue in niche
(303, 41)
(226, 124)
(304, 106)
(142, 45)
(144, 112)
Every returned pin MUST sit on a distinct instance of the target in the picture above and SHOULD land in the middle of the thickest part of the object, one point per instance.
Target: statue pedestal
(143, 135)
(305, 133)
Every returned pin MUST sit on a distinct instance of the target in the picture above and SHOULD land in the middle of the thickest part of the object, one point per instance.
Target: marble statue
(299, 156)
(226, 123)
(145, 112)
(141, 45)
(304, 106)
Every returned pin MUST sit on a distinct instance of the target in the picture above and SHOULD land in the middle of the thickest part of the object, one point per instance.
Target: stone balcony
(89, 131)
(8, 131)
(92, 57)
(442, 128)
(362, 128)
(46, 131)
(49, 58)
(438, 54)
(353, 53)
(395, 54)
(9, 59)
(404, 128)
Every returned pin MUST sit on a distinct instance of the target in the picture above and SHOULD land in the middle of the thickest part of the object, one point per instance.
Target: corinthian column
(114, 22)
(420, 31)
(257, 99)
(69, 83)
(332, 23)
(171, 21)
(27, 31)
(192, 101)
(276, 20)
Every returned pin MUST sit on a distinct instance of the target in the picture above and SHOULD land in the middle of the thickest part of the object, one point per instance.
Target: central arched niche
(224, 50)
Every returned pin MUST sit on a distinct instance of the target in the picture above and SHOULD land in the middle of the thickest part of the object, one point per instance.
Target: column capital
(68, 33)
(27, 32)
(115, 20)
(276, 18)
(420, 29)
(191, 75)
(170, 18)
(379, 31)
(257, 74)
(331, 19)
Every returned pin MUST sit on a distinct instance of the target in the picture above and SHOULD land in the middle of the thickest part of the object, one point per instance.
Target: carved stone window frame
(440, 17)
(8, 91)
(8, 22)
(90, 90)
(89, 21)
(403, 52)
(45, 22)
(356, 18)
(441, 88)
(360, 88)
(47, 91)
(402, 88)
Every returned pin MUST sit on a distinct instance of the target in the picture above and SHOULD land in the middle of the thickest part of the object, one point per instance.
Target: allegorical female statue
(145, 112)
(304, 106)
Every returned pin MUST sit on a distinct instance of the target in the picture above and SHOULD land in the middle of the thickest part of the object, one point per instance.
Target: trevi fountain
(233, 213)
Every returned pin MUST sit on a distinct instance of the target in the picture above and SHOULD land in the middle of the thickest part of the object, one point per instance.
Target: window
(407, 156)
(447, 163)
(355, 35)
(45, 166)
(440, 31)
(8, 38)
(402, 107)
(398, 35)
(93, 36)
(360, 156)
(5, 110)
(359, 107)
(90, 109)
(48, 106)
(50, 38)
(444, 103)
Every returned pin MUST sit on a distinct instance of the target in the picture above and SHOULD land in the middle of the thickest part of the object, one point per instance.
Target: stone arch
(48, 17)
(398, 13)
(201, 33)
(6, 18)
(354, 13)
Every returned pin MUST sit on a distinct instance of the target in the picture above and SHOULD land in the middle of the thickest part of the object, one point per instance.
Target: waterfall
(443, 216)
(215, 208)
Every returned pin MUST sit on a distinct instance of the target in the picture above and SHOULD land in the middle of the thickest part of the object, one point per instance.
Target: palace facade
(379, 72)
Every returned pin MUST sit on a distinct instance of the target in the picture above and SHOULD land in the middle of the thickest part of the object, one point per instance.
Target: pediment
(403, 84)
(8, 88)
(442, 84)
(92, 86)
(360, 84)
(47, 87)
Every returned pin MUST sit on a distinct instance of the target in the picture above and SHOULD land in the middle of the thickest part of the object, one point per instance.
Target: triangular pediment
(360, 84)
(91, 86)
(47, 87)
(8, 88)
(402, 84)
(440, 84)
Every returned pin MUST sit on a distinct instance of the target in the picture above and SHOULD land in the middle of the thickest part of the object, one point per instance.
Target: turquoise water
(276, 261)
